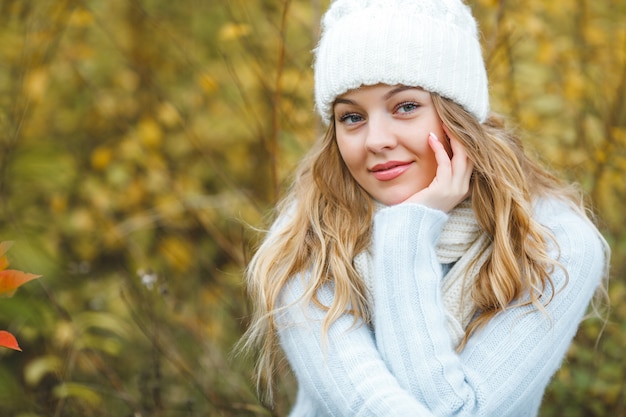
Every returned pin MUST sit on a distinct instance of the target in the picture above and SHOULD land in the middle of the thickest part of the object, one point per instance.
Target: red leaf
(7, 340)
(11, 279)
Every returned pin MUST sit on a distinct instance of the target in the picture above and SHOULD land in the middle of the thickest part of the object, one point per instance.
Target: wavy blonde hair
(327, 221)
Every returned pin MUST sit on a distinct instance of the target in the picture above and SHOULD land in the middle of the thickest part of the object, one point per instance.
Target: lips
(390, 170)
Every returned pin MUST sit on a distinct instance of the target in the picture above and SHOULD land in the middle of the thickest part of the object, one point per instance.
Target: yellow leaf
(168, 114)
(36, 83)
(101, 157)
(619, 133)
(233, 31)
(574, 87)
(594, 35)
(546, 52)
(130, 149)
(79, 392)
(150, 133)
(134, 193)
(293, 79)
(127, 79)
(58, 204)
(600, 156)
(99, 321)
(177, 252)
(64, 334)
(81, 220)
(81, 18)
(207, 83)
(36, 369)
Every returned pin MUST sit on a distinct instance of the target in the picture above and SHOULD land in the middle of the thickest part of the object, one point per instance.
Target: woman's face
(382, 134)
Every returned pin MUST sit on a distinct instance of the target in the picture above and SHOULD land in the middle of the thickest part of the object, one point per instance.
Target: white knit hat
(432, 44)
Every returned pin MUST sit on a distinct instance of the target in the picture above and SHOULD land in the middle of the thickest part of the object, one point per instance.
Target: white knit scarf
(461, 243)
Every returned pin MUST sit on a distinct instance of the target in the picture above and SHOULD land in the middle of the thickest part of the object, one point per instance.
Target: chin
(396, 195)
(391, 200)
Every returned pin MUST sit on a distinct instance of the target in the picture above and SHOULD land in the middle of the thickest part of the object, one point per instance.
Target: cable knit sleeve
(345, 376)
(505, 367)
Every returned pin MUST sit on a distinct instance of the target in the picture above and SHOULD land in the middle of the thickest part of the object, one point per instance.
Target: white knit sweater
(460, 243)
(406, 364)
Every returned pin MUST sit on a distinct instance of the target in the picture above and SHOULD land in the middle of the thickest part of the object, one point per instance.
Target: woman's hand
(451, 183)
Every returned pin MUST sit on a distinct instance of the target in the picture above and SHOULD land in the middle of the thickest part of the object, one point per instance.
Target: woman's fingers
(446, 143)
(455, 170)
(451, 183)
(462, 166)
(444, 167)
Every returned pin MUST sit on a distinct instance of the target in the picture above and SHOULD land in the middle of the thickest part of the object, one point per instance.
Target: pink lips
(389, 170)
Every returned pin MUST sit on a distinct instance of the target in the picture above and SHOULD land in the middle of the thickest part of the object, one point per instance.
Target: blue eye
(350, 118)
(407, 107)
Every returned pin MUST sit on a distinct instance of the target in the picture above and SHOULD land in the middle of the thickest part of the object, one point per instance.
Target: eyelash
(414, 105)
(407, 103)
(346, 116)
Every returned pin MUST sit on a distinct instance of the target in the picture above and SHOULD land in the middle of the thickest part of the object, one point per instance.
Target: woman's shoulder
(574, 231)
(552, 212)
(283, 213)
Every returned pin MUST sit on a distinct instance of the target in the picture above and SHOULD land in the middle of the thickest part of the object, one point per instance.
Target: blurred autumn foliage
(140, 139)
(10, 281)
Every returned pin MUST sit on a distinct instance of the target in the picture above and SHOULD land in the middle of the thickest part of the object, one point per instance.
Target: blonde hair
(504, 186)
(327, 220)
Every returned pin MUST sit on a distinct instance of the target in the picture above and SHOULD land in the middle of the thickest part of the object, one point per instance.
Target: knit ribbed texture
(461, 243)
(431, 44)
(405, 364)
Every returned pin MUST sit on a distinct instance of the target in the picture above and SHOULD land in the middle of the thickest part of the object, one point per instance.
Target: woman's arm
(505, 367)
(345, 376)
(343, 373)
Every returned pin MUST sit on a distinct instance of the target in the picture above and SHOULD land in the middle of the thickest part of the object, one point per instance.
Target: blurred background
(141, 141)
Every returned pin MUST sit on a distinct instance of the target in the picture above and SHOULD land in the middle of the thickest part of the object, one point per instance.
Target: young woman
(421, 264)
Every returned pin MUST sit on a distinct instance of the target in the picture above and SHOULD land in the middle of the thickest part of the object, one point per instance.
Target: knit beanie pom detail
(432, 44)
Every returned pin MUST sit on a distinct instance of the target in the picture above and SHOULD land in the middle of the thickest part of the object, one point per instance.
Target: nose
(380, 136)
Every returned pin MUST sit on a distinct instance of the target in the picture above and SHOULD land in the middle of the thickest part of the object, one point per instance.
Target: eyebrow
(399, 89)
(387, 96)
(343, 100)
